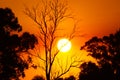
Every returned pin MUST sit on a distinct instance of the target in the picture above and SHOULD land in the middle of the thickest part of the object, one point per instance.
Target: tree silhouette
(12, 45)
(106, 51)
(89, 71)
(48, 17)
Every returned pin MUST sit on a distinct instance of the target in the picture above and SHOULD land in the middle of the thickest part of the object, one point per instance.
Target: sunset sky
(95, 17)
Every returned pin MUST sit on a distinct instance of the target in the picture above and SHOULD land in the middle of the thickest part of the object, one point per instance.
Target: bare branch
(74, 63)
(48, 17)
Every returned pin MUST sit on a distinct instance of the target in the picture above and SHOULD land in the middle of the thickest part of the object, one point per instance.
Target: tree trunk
(48, 76)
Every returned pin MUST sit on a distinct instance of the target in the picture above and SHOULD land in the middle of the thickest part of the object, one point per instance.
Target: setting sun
(60, 40)
(64, 45)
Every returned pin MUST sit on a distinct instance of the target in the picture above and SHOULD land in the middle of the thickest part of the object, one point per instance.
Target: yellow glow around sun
(64, 45)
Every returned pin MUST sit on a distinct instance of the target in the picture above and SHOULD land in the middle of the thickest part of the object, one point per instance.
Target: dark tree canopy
(90, 71)
(106, 51)
(12, 45)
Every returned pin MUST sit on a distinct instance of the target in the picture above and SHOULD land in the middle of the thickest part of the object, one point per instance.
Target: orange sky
(96, 17)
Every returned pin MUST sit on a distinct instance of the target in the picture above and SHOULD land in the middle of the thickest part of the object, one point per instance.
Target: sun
(64, 45)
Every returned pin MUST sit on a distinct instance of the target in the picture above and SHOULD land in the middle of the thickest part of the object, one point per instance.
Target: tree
(89, 71)
(106, 51)
(12, 46)
(48, 17)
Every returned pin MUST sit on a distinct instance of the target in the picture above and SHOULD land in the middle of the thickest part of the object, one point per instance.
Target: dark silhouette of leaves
(106, 51)
(89, 71)
(8, 21)
(12, 66)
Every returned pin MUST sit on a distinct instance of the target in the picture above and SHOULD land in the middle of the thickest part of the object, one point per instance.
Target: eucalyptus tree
(12, 46)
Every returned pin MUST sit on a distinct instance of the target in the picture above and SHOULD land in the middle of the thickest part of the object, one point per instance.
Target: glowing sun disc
(64, 45)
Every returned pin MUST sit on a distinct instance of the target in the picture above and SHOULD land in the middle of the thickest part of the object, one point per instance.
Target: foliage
(106, 51)
(12, 45)
(90, 71)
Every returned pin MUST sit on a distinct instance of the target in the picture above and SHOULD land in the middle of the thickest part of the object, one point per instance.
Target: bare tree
(48, 17)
